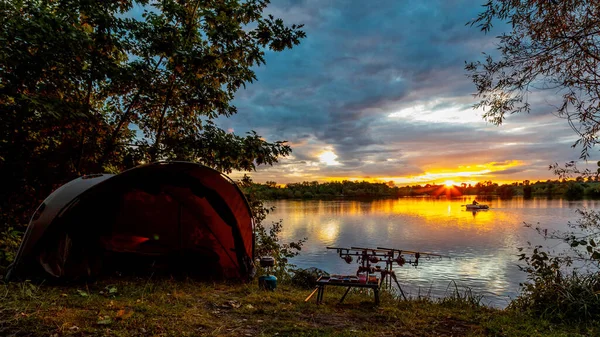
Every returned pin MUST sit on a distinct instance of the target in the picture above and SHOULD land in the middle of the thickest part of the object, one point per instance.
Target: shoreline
(166, 307)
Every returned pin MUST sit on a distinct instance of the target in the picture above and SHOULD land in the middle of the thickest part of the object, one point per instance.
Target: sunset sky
(378, 91)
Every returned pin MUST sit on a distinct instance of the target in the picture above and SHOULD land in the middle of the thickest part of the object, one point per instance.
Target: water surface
(482, 245)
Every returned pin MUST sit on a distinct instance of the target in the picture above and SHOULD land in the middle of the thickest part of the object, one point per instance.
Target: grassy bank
(187, 308)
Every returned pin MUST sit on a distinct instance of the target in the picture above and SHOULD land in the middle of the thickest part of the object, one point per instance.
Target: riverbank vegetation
(550, 50)
(148, 307)
(570, 189)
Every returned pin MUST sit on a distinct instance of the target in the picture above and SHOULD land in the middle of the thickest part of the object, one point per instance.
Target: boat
(476, 207)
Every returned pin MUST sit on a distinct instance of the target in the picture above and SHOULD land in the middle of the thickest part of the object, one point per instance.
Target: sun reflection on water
(482, 244)
(328, 231)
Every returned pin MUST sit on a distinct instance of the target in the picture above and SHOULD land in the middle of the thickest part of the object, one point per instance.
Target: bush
(9, 243)
(505, 191)
(593, 191)
(555, 295)
(527, 191)
(564, 286)
(307, 278)
(574, 191)
(267, 241)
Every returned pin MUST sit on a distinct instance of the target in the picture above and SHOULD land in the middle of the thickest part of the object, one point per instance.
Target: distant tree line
(569, 189)
(314, 189)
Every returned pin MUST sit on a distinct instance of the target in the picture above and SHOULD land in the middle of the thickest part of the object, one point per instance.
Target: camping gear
(268, 282)
(348, 282)
(367, 256)
(172, 216)
(267, 261)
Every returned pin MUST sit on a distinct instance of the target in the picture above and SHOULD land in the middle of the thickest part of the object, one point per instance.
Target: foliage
(178, 308)
(505, 191)
(564, 285)
(527, 192)
(464, 298)
(552, 46)
(574, 191)
(267, 240)
(314, 189)
(226, 151)
(354, 189)
(556, 294)
(95, 86)
(307, 278)
(9, 242)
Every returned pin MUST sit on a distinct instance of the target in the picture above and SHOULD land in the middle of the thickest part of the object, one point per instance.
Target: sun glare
(449, 183)
(328, 158)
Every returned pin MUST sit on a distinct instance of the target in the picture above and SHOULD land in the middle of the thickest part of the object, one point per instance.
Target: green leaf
(82, 293)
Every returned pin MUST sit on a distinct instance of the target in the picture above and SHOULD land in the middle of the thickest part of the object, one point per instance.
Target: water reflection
(482, 244)
(328, 232)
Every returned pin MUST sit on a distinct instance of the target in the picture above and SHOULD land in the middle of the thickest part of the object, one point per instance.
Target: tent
(172, 216)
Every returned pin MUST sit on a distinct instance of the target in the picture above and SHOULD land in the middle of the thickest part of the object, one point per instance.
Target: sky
(377, 91)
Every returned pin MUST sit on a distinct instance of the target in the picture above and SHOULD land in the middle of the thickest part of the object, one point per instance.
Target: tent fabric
(177, 216)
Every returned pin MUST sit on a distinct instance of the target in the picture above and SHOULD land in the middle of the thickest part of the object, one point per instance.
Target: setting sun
(449, 183)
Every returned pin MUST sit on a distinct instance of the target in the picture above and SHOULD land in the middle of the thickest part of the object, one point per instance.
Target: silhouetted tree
(552, 46)
(87, 87)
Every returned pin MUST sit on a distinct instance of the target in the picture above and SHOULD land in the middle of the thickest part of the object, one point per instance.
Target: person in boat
(475, 202)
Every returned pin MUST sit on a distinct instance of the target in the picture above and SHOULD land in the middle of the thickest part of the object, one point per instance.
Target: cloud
(382, 86)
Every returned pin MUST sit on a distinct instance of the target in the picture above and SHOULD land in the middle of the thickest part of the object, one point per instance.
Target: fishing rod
(410, 252)
(369, 257)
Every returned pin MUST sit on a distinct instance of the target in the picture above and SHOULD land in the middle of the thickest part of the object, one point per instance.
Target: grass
(138, 307)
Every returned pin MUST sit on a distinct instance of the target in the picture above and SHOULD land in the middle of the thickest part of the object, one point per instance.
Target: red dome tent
(176, 216)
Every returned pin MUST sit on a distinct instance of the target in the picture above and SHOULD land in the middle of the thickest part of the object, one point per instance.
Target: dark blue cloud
(363, 61)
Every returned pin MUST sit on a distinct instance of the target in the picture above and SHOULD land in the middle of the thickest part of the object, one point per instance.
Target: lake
(482, 245)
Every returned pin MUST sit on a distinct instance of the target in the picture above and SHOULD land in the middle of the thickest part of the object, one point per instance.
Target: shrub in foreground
(564, 286)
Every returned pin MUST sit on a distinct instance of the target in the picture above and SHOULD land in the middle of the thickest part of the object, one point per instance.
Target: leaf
(82, 293)
(104, 320)
(124, 314)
